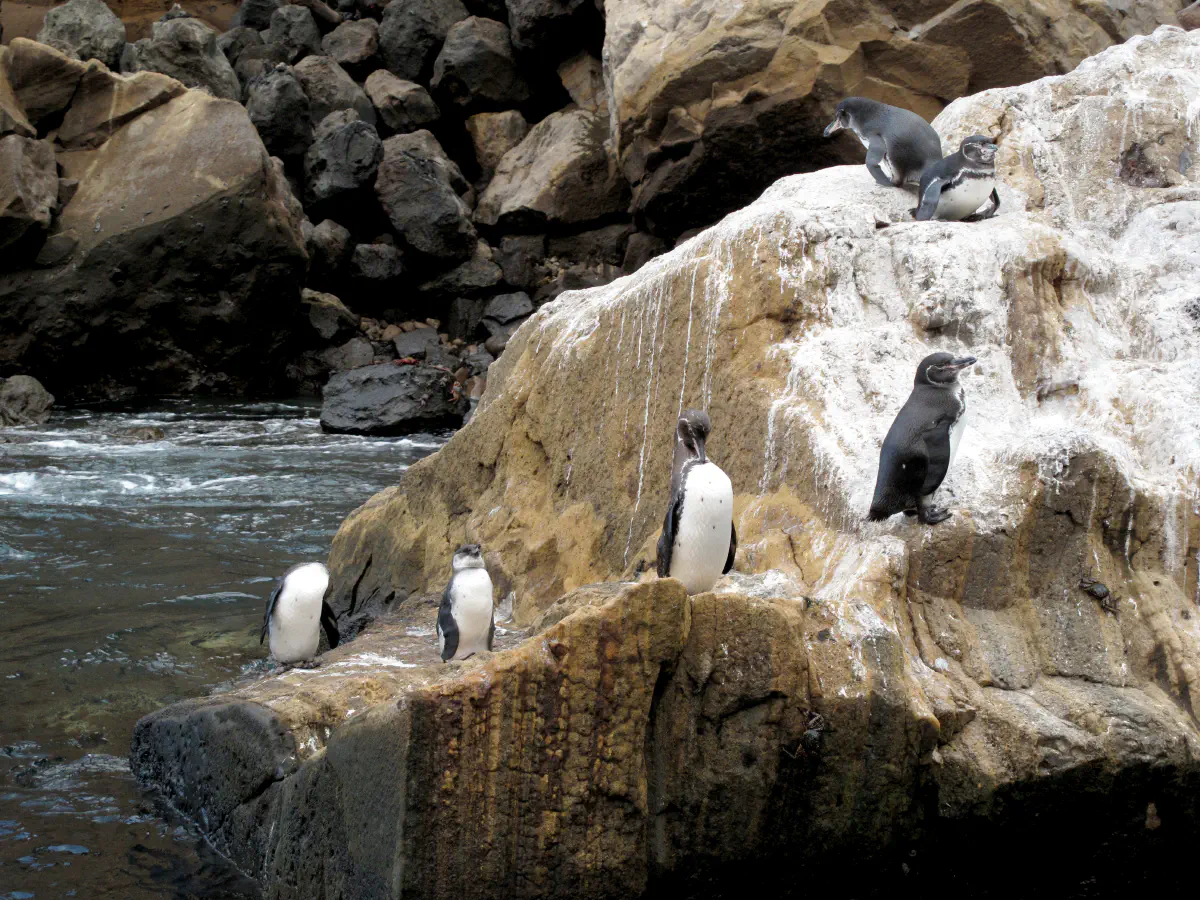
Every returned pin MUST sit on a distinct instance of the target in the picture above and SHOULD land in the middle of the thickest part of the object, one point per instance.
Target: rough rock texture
(174, 266)
(28, 186)
(105, 101)
(493, 135)
(294, 32)
(43, 79)
(419, 189)
(329, 89)
(85, 29)
(854, 689)
(185, 49)
(329, 316)
(255, 14)
(236, 41)
(344, 156)
(280, 110)
(758, 82)
(327, 245)
(391, 399)
(352, 45)
(560, 173)
(23, 401)
(547, 25)
(12, 117)
(403, 106)
(475, 69)
(411, 33)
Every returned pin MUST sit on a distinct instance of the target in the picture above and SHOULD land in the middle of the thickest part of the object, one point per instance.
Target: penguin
(900, 144)
(296, 606)
(698, 539)
(956, 187)
(922, 442)
(466, 621)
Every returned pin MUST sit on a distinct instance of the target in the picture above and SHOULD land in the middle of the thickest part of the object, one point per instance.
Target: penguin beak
(833, 127)
(957, 365)
(700, 450)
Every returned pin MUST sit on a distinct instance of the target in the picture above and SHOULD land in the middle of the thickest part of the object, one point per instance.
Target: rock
(294, 32)
(104, 102)
(500, 337)
(280, 110)
(411, 34)
(155, 297)
(353, 354)
(476, 70)
(476, 274)
(477, 363)
(329, 317)
(84, 29)
(560, 173)
(344, 156)
(329, 89)
(601, 245)
(12, 117)
(28, 186)
(640, 249)
(43, 79)
(415, 343)
(352, 45)
(143, 434)
(493, 135)
(23, 401)
(418, 187)
(576, 277)
(463, 317)
(390, 399)
(255, 14)
(520, 256)
(328, 246)
(505, 308)
(1189, 17)
(372, 266)
(403, 106)
(234, 42)
(552, 26)
(325, 15)
(583, 77)
(186, 50)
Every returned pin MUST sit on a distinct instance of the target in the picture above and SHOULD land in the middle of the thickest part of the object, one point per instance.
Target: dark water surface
(133, 574)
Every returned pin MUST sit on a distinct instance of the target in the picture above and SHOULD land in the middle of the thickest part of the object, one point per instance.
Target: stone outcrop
(85, 29)
(28, 186)
(185, 49)
(23, 401)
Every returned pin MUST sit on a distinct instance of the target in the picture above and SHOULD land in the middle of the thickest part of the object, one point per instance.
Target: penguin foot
(931, 515)
(313, 663)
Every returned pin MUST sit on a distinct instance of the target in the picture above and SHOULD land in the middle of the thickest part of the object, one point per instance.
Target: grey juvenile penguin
(296, 606)
(921, 443)
(698, 540)
(956, 187)
(900, 144)
(466, 623)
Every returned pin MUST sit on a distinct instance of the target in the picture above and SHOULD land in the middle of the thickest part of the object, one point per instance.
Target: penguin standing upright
(900, 144)
(698, 540)
(466, 623)
(922, 441)
(956, 187)
(296, 612)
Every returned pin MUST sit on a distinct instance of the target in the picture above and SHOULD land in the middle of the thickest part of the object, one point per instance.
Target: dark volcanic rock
(353, 46)
(411, 34)
(28, 186)
(354, 353)
(255, 14)
(476, 274)
(391, 399)
(236, 41)
(343, 157)
(519, 256)
(418, 187)
(641, 248)
(329, 317)
(329, 89)
(23, 401)
(374, 265)
(294, 32)
(505, 308)
(185, 49)
(601, 245)
(415, 343)
(328, 245)
(476, 70)
(174, 284)
(280, 111)
(85, 29)
(463, 317)
(552, 26)
(403, 106)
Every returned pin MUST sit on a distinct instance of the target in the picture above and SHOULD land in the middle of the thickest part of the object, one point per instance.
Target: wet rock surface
(391, 399)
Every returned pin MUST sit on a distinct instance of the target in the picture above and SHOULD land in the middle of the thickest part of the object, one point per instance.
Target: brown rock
(105, 101)
(43, 78)
(583, 77)
(28, 186)
(493, 135)
(403, 106)
(12, 116)
(1189, 17)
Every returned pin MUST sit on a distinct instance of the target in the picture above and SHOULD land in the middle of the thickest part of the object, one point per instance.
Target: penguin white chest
(295, 626)
(471, 607)
(960, 200)
(959, 426)
(705, 521)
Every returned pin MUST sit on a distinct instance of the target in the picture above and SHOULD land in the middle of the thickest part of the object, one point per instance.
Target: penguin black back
(900, 144)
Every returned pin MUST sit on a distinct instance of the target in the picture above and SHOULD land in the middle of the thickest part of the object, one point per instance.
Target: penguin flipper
(876, 155)
(937, 447)
(270, 609)
(931, 193)
(732, 549)
(666, 543)
(492, 631)
(447, 627)
(329, 624)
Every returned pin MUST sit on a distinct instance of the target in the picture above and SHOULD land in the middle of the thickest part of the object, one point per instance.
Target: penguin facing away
(296, 611)
(956, 187)
(698, 539)
(900, 144)
(922, 442)
(466, 622)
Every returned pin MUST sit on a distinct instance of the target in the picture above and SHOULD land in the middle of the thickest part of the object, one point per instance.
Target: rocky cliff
(893, 694)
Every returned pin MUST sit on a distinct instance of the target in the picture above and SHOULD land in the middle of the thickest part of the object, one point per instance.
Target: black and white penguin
(296, 612)
(900, 144)
(466, 623)
(921, 443)
(698, 540)
(956, 187)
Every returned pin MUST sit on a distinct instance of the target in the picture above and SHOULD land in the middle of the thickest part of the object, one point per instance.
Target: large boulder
(85, 29)
(403, 106)
(293, 32)
(561, 173)
(28, 186)
(176, 265)
(186, 49)
(475, 69)
(411, 33)
(330, 89)
(344, 156)
(23, 401)
(353, 45)
(712, 104)
(42, 78)
(419, 188)
(105, 101)
(280, 110)
(391, 399)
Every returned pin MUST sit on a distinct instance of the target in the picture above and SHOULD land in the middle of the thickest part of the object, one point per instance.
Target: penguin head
(843, 116)
(941, 369)
(979, 150)
(693, 430)
(468, 556)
